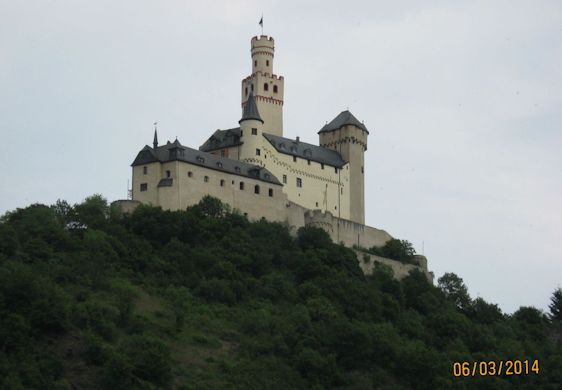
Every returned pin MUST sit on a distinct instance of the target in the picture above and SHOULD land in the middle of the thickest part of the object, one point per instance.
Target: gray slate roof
(176, 151)
(344, 118)
(250, 110)
(222, 139)
(305, 150)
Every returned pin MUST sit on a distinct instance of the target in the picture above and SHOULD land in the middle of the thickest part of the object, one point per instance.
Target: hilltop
(203, 299)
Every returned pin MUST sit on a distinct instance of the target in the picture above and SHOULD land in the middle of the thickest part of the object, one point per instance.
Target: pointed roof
(155, 142)
(250, 110)
(343, 119)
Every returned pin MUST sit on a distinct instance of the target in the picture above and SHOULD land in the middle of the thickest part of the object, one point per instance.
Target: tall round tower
(346, 135)
(266, 87)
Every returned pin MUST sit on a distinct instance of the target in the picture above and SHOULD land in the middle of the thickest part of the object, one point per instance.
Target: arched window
(266, 87)
(275, 89)
(256, 189)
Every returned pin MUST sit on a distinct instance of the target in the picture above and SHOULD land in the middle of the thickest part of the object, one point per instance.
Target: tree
(556, 305)
(455, 290)
(93, 212)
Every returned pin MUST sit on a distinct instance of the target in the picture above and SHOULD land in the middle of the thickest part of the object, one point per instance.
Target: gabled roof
(177, 151)
(222, 139)
(250, 110)
(344, 118)
(305, 150)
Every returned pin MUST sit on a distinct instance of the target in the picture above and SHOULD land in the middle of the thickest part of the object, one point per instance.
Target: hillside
(205, 299)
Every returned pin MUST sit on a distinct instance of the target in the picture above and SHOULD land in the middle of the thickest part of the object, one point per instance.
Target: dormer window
(237, 169)
(266, 176)
(219, 164)
(200, 159)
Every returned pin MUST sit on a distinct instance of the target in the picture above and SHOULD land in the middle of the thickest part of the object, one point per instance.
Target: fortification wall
(348, 232)
(368, 262)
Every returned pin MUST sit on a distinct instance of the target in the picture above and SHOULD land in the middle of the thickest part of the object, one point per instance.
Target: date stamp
(493, 368)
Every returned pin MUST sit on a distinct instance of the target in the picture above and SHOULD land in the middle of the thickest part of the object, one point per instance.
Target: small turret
(251, 130)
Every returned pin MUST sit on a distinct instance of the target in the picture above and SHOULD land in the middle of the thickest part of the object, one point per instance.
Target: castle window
(255, 62)
(256, 189)
(237, 169)
(362, 170)
(266, 87)
(322, 165)
(168, 173)
(336, 169)
(200, 159)
(294, 158)
(266, 62)
(254, 131)
(206, 179)
(222, 182)
(144, 170)
(143, 187)
(219, 164)
(285, 179)
(341, 190)
(270, 192)
(308, 161)
(246, 90)
(316, 204)
(252, 87)
(275, 89)
(258, 152)
(299, 182)
(189, 174)
(241, 133)
(242, 185)
(335, 207)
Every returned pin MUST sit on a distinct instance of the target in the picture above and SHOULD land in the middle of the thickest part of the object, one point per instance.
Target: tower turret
(267, 87)
(346, 135)
(251, 130)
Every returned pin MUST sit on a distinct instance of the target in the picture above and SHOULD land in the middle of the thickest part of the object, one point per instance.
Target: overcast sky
(463, 100)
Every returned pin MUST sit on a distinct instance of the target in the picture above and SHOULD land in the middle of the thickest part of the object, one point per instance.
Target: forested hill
(205, 299)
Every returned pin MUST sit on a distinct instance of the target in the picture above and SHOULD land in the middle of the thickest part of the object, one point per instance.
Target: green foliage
(455, 290)
(395, 249)
(203, 298)
(556, 305)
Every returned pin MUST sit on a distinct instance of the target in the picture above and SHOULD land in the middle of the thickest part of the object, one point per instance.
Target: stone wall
(348, 232)
(368, 262)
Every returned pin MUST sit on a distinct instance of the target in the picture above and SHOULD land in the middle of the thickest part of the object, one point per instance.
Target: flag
(261, 21)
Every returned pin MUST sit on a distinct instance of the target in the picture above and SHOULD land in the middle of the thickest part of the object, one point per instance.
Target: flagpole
(261, 24)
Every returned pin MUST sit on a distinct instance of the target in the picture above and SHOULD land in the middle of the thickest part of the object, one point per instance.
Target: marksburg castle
(256, 170)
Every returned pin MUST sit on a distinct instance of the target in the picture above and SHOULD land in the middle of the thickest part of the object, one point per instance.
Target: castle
(259, 172)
